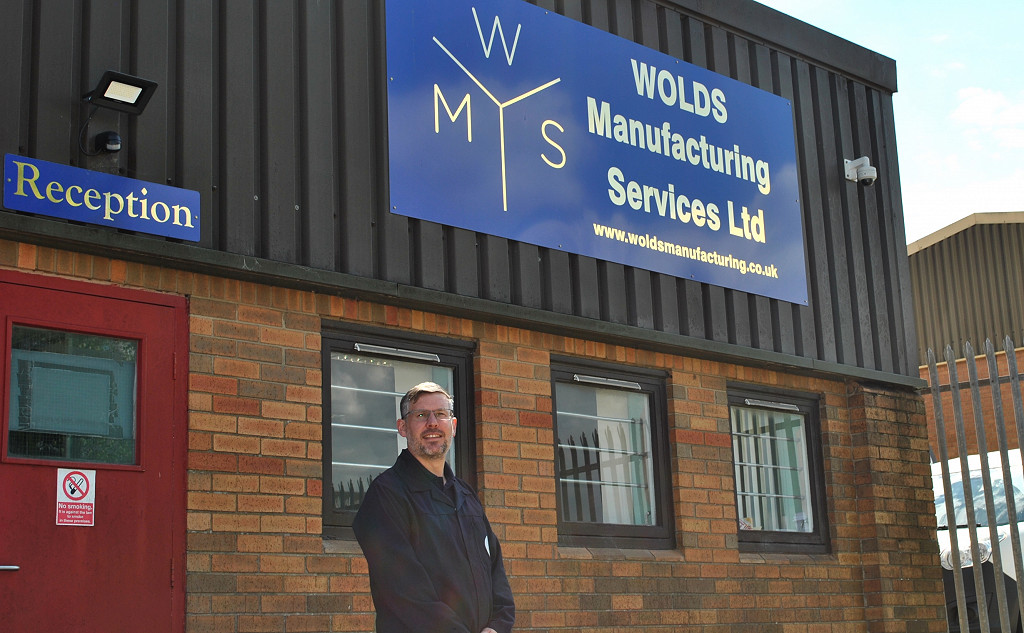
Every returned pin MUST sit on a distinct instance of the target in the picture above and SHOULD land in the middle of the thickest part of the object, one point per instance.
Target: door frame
(178, 416)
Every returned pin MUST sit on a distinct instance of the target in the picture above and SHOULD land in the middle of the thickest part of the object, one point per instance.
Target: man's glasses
(422, 415)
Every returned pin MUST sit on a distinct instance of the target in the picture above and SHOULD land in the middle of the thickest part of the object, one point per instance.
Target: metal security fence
(349, 496)
(601, 475)
(979, 494)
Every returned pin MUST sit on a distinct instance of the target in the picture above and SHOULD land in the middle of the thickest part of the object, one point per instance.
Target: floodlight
(121, 92)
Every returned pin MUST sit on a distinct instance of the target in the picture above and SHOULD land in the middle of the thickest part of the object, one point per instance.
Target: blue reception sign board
(511, 120)
(60, 191)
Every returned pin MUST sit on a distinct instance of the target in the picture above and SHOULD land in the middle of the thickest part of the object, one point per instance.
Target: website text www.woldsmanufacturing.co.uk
(694, 253)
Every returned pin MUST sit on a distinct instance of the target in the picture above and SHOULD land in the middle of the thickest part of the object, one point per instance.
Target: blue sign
(60, 191)
(508, 119)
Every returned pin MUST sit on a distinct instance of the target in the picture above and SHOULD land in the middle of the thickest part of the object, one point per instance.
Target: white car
(1004, 525)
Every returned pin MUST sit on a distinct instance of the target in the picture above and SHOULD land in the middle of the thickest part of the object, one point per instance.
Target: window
(780, 498)
(611, 457)
(72, 397)
(369, 371)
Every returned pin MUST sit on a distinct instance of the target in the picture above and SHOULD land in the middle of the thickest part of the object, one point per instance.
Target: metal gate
(979, 496)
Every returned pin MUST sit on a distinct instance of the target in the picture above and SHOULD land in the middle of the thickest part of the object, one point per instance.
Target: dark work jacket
(427, 550)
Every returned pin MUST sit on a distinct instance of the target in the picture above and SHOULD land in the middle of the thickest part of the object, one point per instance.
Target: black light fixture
(121, 92)
(115, 91)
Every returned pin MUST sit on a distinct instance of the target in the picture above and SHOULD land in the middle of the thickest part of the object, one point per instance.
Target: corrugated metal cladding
(968, 285)
(274, 112)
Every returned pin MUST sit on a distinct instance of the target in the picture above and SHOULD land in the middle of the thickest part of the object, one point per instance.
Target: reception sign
(511, 120)
(61, 191)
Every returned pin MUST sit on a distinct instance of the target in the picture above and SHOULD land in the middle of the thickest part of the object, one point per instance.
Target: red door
(92, 380)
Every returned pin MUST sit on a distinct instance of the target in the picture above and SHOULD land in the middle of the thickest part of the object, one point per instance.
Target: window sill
(774, 558)
(339, 546)
(567, 552)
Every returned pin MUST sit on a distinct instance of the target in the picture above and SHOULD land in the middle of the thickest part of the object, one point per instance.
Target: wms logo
(467, 106)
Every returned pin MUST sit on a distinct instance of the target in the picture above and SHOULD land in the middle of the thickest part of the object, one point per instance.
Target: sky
(959, 107)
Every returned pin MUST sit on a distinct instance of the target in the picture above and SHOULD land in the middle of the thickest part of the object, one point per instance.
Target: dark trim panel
(103, 242)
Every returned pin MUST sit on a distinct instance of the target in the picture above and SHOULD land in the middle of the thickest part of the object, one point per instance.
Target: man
(435, 564)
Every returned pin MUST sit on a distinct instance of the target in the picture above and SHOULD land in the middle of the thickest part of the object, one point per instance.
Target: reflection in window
(365, 395)
(772, 477)
(604, 455)
(1000, 502)
(72, 396)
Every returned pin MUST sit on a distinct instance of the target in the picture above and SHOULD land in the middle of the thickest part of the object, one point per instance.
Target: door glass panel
(72, 397)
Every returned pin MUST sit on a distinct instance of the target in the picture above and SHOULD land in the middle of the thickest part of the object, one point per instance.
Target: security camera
(867, 176)
(860, 171)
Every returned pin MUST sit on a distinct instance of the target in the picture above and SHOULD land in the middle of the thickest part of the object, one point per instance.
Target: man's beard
(434, 451)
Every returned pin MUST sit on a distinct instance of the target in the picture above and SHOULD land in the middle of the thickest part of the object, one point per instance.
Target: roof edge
(975, 219)
(779, 30)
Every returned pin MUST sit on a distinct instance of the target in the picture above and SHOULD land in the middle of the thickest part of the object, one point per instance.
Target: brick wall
(892, 479)
(257, 562)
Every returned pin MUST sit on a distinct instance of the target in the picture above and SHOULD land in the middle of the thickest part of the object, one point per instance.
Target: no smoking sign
(76, 497)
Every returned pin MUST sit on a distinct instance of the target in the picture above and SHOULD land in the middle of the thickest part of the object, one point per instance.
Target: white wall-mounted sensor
(860, 171)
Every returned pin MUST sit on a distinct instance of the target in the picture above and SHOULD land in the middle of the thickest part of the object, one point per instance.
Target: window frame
(661, 535)
(817, 541)
(452, 353)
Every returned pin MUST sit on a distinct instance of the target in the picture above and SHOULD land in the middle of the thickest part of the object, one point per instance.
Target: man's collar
(422, 477)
